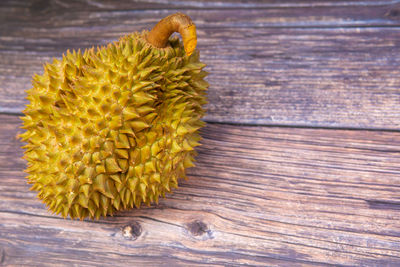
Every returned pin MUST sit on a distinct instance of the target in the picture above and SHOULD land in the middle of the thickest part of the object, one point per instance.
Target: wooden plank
(258, 196)
(304, 77)
(62, 14)
(330, 77)
(40, 5)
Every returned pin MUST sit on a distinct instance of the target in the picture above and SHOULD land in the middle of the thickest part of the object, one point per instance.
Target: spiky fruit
(115, 127)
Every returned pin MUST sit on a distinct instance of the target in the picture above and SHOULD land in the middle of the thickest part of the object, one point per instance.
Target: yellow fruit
(114, 127)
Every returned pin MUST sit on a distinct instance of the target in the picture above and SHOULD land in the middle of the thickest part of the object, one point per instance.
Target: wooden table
(300, 161)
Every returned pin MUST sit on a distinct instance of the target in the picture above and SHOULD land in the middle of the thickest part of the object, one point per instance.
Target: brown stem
(177, 22)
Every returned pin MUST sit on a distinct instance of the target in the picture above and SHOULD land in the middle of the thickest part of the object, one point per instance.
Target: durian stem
(177, 22)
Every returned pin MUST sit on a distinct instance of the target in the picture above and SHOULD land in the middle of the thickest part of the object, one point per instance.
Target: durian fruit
(115, 127)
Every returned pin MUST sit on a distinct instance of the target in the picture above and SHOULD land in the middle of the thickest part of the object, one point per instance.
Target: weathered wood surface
(38, 5)
(305, 63)
(258, 196)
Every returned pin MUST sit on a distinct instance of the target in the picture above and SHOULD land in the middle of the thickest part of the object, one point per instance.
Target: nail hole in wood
(132, 231)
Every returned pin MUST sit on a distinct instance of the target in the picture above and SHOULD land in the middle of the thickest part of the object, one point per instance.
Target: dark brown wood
(304, 63)
(258, 196)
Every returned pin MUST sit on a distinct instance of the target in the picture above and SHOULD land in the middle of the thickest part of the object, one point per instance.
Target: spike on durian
(113, 128)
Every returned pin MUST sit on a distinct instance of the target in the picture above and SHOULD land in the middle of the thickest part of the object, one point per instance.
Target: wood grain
(53, 14)
(258, 196)
(185, 4)
(303, 63)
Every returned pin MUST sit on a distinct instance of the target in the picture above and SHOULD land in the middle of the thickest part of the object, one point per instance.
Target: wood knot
(132, 231)
(39, 6)
(393, 13)
(197, 228)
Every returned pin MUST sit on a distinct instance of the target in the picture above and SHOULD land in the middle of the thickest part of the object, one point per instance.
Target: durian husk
(113, 128)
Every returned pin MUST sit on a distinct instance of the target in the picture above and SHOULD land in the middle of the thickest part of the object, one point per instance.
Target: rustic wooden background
(300, 162)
